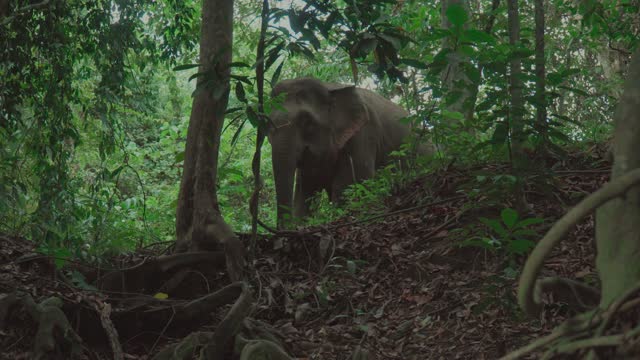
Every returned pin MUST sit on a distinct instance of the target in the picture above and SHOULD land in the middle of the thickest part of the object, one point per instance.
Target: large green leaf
(509, 217)
(477, 36)
(457, 15)
(520, 246)
(240, 93)
(495, 225)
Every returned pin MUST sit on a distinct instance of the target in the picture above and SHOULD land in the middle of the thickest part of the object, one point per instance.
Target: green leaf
(495, 225)
(394, 41)
(244, 79)
(309, 36)
(457, 15)
(574, 90)
(61, 256)
(520, 246)
(472, 73)
(273, 55)
(414, 63)
(484, 243)
(198, 74)
(185, 67)
(525, 233)
(477, 36)
(253, 117)
(240, 93)
(452, 115)
(276, 74)
(117, 171)
(236, 135)
(509, 217)
(179, 157)
(232, 110)
(529, 222)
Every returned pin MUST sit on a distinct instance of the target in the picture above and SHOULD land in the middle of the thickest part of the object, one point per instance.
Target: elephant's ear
(348, 113)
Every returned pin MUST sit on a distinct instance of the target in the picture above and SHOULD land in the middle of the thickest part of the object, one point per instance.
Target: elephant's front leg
(306, 187)
(351, 168)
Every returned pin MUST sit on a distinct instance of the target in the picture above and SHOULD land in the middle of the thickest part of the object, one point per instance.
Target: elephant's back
(381, 105)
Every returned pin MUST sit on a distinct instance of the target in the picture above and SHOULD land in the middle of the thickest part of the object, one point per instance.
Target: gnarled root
(213, 345)
(579, 296)
(135, 278)
(263, 350)
(530, 304)
(54, 331)
(586, 332)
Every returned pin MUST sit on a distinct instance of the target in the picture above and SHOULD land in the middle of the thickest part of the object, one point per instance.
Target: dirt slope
(400, 287)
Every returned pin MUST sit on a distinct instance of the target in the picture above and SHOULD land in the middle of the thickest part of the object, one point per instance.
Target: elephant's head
(317, 121)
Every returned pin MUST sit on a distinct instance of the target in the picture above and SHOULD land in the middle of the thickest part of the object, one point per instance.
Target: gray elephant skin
(330, 136)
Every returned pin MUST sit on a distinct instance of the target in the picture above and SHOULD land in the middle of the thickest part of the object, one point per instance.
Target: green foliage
(509, 234)
(367, 197)
(93, 120)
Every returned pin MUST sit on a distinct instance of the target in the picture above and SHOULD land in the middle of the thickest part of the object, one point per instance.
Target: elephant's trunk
(284, 167)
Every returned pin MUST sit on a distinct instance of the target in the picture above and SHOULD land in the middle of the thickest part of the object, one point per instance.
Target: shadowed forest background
(138, 213)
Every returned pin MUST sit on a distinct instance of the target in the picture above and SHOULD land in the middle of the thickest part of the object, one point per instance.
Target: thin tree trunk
(516, 109)
(199, 224)
(617, 225)
(257, 156)
(515, 83)
(541, 102)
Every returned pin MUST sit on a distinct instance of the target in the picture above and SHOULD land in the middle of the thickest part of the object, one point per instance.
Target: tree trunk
(199, 224)
(541, 102)
(516, 110)
(515, 83)
(617, 225)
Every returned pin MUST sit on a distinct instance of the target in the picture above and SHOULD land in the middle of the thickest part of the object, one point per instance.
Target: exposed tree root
(579, 296)
(214, 345)
(577, 334)
(54, 335)
(530, 304)
(139, 277)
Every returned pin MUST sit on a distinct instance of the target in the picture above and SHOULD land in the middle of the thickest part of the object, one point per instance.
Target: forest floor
(400, 286)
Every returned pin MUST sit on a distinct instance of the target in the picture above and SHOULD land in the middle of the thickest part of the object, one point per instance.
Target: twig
(293, 233)
(445, 224)
(573, 172)
(559, 230)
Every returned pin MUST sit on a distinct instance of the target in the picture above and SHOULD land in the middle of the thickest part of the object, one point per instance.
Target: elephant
(328, 136)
